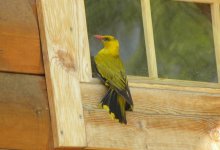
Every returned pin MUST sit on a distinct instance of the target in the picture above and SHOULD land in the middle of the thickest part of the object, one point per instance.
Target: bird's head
(108, 41)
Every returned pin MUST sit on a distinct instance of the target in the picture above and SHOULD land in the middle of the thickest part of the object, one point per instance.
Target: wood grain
(161, 101)
(149, 38)
(162, 120)
(19, 38)
(215, 8)
(147, 132)
(24, 113)
(62, 41)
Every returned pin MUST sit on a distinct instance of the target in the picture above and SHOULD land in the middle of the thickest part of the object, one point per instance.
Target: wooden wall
(19, 37)
(24, 111)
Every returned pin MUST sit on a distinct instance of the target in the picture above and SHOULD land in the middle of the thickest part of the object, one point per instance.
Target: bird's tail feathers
(115, 105)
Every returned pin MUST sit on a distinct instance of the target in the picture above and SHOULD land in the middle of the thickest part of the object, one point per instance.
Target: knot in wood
(66, 61)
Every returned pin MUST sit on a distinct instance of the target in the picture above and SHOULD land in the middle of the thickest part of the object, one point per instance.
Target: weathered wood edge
(84, 52)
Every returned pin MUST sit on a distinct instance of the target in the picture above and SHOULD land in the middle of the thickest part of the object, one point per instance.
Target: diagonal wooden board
(66, 64)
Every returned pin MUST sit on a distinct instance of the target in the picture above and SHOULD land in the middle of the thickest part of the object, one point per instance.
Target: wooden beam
(215, 8)
(81, 34)
(62, 40)
(24, 113)
(170, 84)
(185, 85)
(19, 38)
(149, 39)
(141, 81)
(162, 119)
(149, 132)
(157, 100)
(200, 1)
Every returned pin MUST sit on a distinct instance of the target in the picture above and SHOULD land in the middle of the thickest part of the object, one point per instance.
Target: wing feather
(112, 71)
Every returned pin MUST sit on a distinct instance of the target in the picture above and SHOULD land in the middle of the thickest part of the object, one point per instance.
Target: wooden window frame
(73, 93)
(150, 48)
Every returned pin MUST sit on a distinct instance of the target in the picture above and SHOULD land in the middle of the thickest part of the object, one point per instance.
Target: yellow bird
(111, 71)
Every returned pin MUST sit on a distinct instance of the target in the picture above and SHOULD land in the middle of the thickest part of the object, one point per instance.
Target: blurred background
(183, 36)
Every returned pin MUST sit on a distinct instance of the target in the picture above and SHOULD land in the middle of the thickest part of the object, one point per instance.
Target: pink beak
(99, 37)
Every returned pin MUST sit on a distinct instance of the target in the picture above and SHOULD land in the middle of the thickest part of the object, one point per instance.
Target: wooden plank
(200, 1)
(19, 38)
(140, 81)
(161, 101)
(80, 28)
(147, 132)
(149, 38)
(162, 120)
(62, 41)
(69, 148)
(24, 113)
(215, 8)
(170, 84)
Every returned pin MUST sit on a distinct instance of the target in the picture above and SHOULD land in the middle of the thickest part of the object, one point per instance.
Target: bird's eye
(106, 39)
